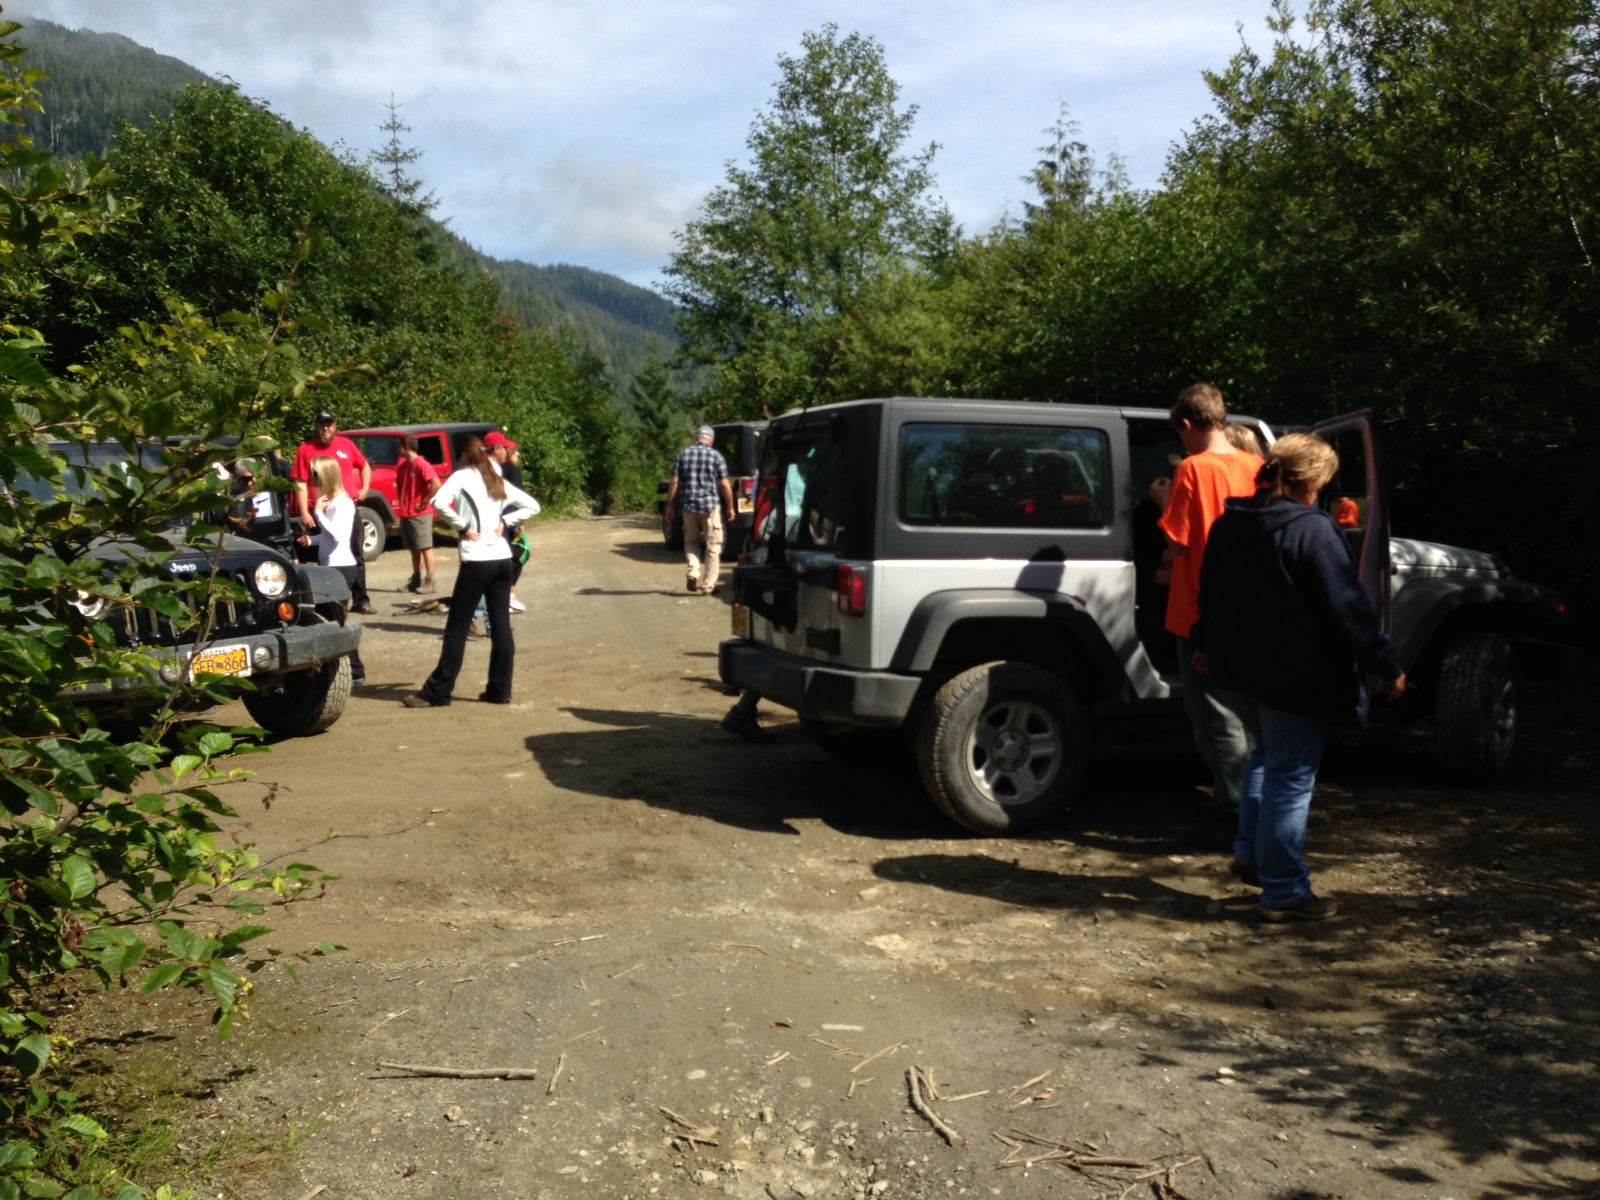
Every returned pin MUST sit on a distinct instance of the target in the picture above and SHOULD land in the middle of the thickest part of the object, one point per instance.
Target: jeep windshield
(95, 457)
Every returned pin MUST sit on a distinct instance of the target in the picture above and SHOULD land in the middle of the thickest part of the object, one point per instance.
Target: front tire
(1479, 709)
(310, 702)
(374, 537)
(1004, 748)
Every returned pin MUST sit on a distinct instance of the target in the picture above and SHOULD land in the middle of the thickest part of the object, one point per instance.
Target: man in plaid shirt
(697, 478)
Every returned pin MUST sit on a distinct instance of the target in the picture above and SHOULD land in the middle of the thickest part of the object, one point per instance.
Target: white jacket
(333, 532)
(464, 503)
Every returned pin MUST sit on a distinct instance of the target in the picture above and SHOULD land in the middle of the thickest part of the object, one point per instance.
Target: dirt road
(597, 883)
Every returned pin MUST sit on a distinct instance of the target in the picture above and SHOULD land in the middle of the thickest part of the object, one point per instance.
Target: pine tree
(391, 163)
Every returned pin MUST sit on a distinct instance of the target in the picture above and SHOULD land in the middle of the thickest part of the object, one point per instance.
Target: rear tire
(1004, 748)
(1479, 709)
(374, 536)
(672, 531)
(310, 702)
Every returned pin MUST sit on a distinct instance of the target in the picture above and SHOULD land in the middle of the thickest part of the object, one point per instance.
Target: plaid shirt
(699, 470)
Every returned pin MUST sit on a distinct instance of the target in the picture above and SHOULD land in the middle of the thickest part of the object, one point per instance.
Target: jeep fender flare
(379, 503)
(323, 585)
(1422, 608)
(939, 612)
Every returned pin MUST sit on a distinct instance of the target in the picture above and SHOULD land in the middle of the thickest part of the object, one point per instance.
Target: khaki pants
(702, 536)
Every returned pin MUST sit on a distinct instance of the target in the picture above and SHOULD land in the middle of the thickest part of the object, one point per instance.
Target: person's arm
(366, 481)
(727, 496)
(1181, 516)
(518, 507)
(430, 482)
(672, 495)
(444, 501)
(302, 502)
(1324, 569)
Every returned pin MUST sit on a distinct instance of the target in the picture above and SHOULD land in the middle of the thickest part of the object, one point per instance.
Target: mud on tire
(1479, 707)
(1003, 748)
(310, 701)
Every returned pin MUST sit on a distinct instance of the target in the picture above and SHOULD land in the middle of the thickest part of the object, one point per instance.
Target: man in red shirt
(415, 482)
(1212, 473)
(356, 474)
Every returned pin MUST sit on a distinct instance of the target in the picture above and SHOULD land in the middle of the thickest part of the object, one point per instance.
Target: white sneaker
(518, 605)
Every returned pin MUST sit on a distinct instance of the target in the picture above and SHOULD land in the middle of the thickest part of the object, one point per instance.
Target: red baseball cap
(495, 438)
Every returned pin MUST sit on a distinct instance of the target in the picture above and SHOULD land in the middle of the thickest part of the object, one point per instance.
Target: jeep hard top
(978, 578)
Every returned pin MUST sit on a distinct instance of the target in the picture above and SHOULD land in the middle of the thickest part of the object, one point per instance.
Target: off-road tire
(868, 749)
(374, 536)
(310, 702)
(1479, 707)
(1019, 699)
(672, 531)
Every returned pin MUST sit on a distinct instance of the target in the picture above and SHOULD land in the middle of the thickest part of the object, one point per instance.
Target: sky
(560, 131)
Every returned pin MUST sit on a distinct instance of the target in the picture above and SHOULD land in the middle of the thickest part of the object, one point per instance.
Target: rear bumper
(818, 693)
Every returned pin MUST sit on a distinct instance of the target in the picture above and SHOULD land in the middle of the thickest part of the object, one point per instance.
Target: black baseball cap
(326, 418)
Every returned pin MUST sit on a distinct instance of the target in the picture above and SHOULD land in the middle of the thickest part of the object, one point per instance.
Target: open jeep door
(1359, 500)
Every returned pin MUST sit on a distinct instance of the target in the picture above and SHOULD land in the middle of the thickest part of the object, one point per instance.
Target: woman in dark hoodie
(1287, 633)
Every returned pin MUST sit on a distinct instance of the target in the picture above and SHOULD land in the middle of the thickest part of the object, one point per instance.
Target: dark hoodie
(1284, 619)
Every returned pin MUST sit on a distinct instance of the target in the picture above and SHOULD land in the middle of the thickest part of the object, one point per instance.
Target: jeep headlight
(90, 606)
(272, 580)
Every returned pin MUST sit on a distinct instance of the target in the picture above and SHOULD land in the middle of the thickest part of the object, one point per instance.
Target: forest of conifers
(1392, 205)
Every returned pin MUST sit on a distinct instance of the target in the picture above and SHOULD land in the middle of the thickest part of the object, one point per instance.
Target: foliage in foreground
(112, 862)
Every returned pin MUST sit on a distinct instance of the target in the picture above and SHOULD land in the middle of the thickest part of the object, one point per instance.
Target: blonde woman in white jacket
(484, 509)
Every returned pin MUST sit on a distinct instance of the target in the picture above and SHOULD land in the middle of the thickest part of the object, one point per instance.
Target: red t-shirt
(1201, 485)
(343, 451)
(411, 480)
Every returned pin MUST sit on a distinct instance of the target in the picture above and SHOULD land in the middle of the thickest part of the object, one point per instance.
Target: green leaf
(18, 364)
(31, 1055)
(216, 742)
(44, 1189)
(118, 960)
(82, 1126)
(79, 875)
(222, 983)
(244, 933)
(184, 763)
(159, 977)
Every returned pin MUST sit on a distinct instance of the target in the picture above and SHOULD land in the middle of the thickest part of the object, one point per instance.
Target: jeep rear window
(1004, 477)
(810, 468)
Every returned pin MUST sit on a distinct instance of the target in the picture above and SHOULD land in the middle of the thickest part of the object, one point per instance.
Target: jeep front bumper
(816, 692)
(293, 648)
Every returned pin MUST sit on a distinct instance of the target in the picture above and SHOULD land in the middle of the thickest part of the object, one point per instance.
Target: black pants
(349, 574)
(357, 575)
(474, 580)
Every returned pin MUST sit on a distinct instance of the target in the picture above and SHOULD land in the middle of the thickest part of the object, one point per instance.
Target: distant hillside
(96, 79)
(615, 319)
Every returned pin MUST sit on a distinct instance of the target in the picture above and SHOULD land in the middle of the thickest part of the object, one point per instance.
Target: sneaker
(357, 678)
(747, 728)
(426, 586)
(711, 591)
(691, 584)
(1318, 908)
(518, 605)
(1244, 872)
(477, 630)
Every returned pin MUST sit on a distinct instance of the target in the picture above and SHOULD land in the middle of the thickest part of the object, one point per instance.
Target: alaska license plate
(221, 660)
(741, 621)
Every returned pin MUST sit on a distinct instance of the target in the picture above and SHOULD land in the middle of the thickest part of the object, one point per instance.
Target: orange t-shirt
(1201, 485)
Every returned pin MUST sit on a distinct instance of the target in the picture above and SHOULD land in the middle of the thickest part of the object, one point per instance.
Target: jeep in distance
(740, 445)
(977, 578)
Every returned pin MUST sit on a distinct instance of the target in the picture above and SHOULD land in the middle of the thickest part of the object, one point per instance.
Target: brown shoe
(426, 586)
(691, 584)
(1318, 908)
(417, 700)
(476, 630)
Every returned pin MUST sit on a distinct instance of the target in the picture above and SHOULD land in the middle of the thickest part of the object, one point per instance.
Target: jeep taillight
(748, 487)
(852, 590)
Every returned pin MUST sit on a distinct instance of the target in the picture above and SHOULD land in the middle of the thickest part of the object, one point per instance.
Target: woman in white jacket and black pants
(484, 509)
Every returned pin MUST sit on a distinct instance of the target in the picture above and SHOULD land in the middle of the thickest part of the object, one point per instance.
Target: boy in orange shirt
(1213, 473)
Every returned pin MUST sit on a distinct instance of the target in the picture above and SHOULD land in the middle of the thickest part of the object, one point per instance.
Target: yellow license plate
(746, 505)
(221, 660)
(741, 621)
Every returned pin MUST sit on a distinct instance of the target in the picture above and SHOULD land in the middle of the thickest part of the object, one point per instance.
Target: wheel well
(379, 505)
(1469, 618)
(1043, 643)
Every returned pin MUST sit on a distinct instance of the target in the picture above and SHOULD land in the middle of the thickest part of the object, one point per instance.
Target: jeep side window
(1346, 496)
(381, 449)
(1004, 476)
(431, 447)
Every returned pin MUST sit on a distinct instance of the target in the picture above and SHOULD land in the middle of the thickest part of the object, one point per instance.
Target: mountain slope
(97, 79)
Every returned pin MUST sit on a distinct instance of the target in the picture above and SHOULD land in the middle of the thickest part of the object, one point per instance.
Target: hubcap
(1014, 752)
(1505, 717)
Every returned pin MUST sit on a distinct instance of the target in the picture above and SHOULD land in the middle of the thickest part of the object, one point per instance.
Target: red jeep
(439, 443)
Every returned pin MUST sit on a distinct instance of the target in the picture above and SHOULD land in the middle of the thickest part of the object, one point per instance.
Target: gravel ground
(699, 944)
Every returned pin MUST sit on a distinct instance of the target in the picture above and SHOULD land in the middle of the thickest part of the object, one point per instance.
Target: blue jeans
(1277, 798)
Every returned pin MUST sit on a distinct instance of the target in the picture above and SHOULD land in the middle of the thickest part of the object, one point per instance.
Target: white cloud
(578, 111)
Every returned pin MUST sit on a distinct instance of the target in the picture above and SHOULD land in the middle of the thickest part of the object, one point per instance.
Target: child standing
(335, 514)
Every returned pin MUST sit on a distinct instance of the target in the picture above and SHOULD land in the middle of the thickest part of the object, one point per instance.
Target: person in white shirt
(484, 509)
(336, 516)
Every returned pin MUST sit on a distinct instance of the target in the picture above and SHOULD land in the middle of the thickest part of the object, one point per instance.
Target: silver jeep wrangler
(978, 578)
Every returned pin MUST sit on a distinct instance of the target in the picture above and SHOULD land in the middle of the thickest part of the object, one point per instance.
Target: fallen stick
(385, 1021)
(629, 971)
(692, 1133)
(932, 1118)
(738, 946)
(463, 1072)
(776, 1059)
(855, 1083)
(834, 1046)
(965, 1096)
(873, 1057)
(578, 1037)
(1034, 1080)
(315, 1192)
(561, 1065)
(1529, 883)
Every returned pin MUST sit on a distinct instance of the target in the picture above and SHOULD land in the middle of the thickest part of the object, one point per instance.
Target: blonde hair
(1242, 437)
(330, 480)
(1298, 461)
